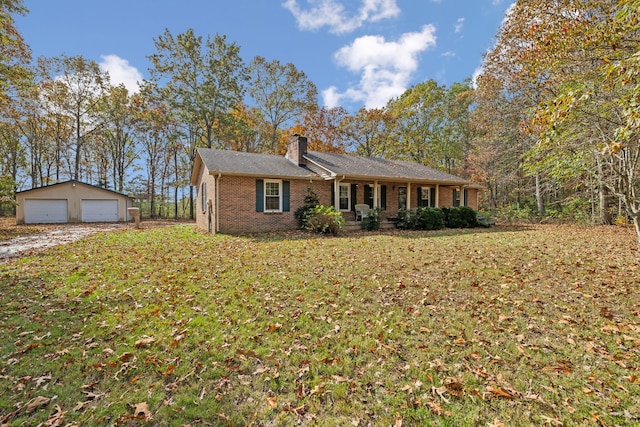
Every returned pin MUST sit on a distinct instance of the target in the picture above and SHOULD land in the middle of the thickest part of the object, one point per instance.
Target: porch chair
(361, 211)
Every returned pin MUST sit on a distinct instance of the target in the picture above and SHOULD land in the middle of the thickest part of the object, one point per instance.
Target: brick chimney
(297, 149)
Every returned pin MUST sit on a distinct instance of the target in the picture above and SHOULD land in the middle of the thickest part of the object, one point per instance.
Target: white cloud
(459, 25)
(385, 67)
(121, 72)
(332, 13)
(449, 54)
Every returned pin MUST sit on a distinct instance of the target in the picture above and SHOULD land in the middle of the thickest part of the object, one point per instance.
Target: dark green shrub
(429, 219)
(372, 220)
(305, 211)
(460, 217)
(405, 219)
(325, 219)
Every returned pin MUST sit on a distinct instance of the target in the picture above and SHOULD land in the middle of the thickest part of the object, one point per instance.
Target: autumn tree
(117, 137)
(15, 55)
(564, 51)
(281, 93)
(323, 129)
(76, 88)
(201, 81)
(369, 131)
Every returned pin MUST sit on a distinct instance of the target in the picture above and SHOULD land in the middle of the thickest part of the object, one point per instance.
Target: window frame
(425, 201)
(347, 186)
(203, 196)
(267, 196)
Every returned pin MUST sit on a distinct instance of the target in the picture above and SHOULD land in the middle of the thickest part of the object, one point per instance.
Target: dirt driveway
(49, 236)
(21, 240)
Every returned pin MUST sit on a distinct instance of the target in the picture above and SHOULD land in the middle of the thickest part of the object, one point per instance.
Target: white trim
(348, 186)
(280, 195)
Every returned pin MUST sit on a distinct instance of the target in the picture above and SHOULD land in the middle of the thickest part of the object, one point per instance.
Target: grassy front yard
(167, 326)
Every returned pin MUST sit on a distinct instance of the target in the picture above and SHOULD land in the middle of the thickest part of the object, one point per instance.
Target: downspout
(217, 211)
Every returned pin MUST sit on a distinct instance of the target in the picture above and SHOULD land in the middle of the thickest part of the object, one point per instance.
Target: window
(402, 197)
(425, 197)
(345, 197)
(203, 196)
(456, 197)
(272, 196)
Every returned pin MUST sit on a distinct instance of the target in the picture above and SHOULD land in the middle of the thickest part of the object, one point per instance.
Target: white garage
(71, 201)
(43, 211)
(99, 210)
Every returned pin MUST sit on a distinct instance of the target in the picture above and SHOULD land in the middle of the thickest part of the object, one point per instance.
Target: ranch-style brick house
(241, 192)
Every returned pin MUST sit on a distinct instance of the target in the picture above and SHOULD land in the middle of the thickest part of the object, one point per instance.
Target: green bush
(483, 219)
(429, 219)
(460, 217)
(325, 219)
(405, 219)
(304, 212)
(372, 220)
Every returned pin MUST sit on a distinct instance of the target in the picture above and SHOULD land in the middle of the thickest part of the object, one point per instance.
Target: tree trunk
(605, 212)
(539, 196)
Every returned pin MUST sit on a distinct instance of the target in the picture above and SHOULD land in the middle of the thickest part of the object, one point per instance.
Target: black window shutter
(466, 198)
(432, 197)
(286, 198)
(419, 198)
(259, 195)
(333, 194)
(383, 197)
(354, 193)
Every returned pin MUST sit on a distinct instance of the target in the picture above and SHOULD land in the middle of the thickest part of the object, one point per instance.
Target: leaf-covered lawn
(509, 326)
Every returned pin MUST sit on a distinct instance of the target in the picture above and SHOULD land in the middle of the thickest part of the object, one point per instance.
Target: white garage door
(100, 210)
(39, 211)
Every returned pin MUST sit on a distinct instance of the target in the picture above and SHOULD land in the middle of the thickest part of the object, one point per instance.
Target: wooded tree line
(549, 127)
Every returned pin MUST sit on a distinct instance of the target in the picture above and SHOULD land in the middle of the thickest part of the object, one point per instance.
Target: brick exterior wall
(237, 196)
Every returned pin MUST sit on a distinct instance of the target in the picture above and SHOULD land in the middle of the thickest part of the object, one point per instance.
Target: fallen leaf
(56, 419)
(271, 401)
(36, 403)
(142, 410)
(145, 342)
(500, 392)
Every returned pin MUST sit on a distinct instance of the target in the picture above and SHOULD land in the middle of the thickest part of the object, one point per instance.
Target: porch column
(408, 195)
(336, 194)
(437, 201)
(375, 195)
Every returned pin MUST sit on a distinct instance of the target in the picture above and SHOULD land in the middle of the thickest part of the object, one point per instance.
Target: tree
(369, 131)
(15, 55)
(281, 93)
(74, 87)
(204, 83)
(117, 136)
(419, 117)
(322, 128)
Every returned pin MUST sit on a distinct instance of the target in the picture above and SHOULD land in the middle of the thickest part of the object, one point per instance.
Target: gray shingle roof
(254, 164)
(375, 168)
(321, 165)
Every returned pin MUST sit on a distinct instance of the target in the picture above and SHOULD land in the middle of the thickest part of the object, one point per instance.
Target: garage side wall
(74, 194)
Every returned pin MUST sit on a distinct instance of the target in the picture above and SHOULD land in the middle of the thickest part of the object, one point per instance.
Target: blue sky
(357, 52)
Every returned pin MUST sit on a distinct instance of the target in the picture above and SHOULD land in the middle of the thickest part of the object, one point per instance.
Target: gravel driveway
(57, 235)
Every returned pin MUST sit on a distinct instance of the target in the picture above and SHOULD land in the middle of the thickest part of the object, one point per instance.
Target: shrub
(405, 219)
(372, 220)
(429, 219)
(325, 219)
(304, 212)
(460, 217)
(483, 219)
